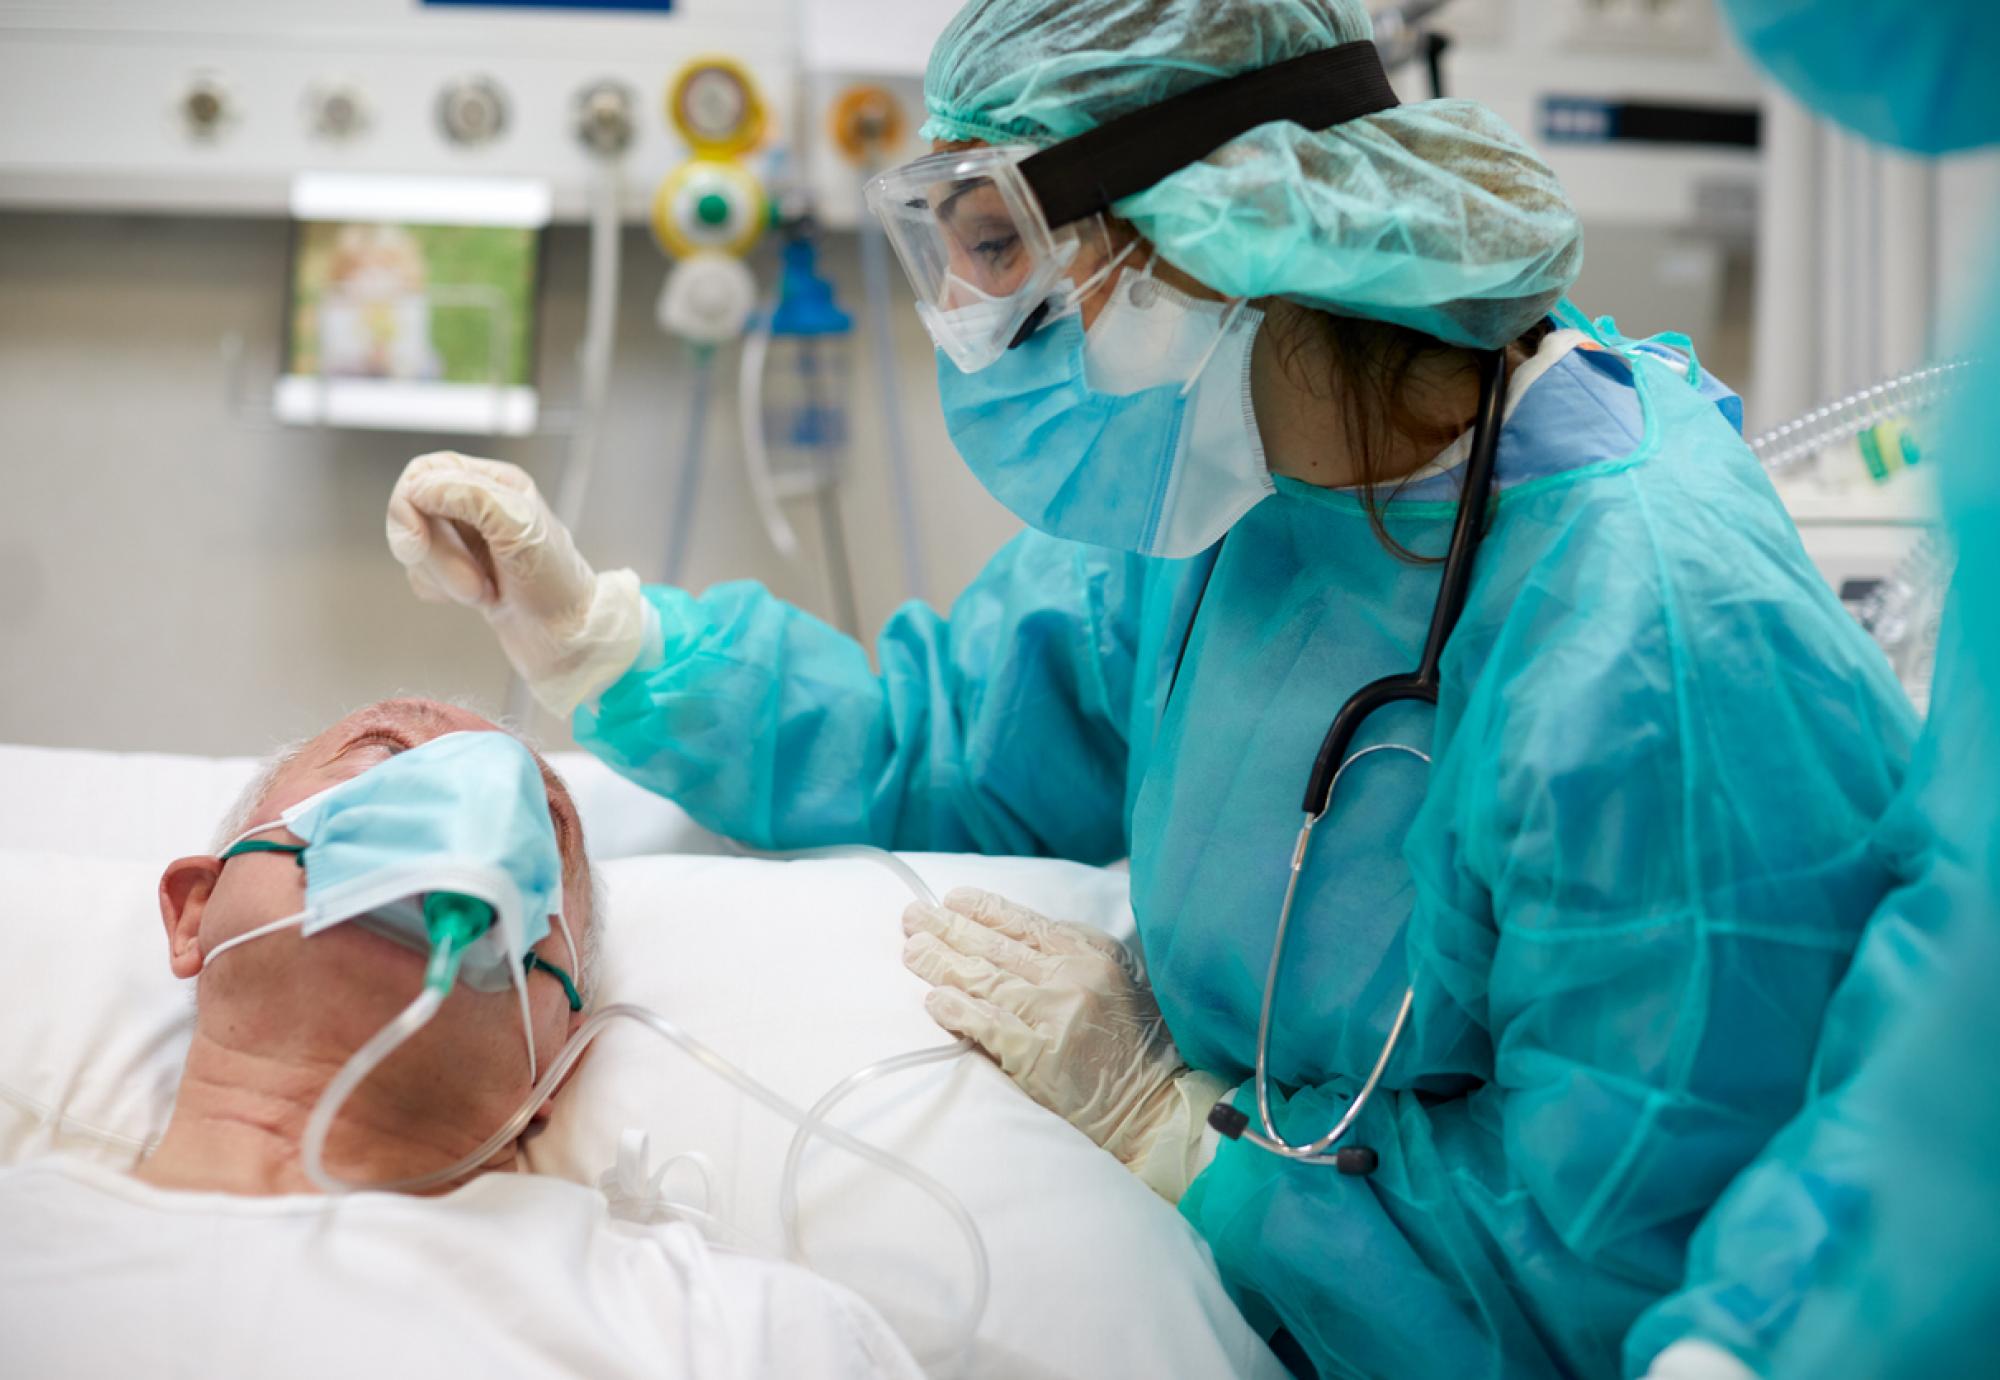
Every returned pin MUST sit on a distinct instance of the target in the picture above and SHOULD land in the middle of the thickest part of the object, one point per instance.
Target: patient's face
(290, 996)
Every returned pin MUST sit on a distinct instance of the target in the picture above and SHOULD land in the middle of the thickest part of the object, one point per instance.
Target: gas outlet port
(472, 111)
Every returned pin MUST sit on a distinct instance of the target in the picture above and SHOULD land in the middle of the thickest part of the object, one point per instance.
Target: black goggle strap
(530, 962)
(1087, 174)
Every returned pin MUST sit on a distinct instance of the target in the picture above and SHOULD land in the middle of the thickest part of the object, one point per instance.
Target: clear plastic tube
(596, 356)
(687, 487)
(809, 1123)
(851, 852)
(875, 280)
(1787, 447)
(1905, 614)
(419, 1012)
(365, 1061)
(788, 1184)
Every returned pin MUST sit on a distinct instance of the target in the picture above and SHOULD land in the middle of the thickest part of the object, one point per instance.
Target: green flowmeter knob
(712, 209)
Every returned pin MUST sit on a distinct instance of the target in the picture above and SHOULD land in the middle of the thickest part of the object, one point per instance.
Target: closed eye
(377, 738)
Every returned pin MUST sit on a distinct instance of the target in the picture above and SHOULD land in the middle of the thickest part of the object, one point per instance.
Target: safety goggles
(991, 236)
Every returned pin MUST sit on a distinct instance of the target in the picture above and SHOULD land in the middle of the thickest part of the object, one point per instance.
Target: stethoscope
(1420, 686)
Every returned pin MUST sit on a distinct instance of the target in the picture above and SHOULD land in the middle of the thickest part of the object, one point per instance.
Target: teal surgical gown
(1625, 891)
(1861, 1242)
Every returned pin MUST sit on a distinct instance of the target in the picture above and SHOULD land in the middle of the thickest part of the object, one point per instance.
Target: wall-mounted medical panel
(214, 106)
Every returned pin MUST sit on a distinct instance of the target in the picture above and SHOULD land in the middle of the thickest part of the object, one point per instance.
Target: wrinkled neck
(240, 1117)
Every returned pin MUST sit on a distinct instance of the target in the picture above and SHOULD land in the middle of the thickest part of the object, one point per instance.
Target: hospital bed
(791, 969)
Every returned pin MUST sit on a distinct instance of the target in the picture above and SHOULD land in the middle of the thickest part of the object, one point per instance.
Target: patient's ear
(185, 888)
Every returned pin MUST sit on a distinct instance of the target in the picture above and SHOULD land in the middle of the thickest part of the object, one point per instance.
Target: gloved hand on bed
(478, 532)
(1064, 1012)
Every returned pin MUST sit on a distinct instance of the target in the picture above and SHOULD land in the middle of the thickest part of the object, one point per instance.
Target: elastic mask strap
(289, 922)
(1073, 301)
(237, 850)
(535, 963)
(1221, 334)
(569, 946)
(236, 844)
(520, 979)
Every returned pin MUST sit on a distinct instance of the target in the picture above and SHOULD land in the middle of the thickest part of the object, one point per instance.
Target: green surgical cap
(1433, 216)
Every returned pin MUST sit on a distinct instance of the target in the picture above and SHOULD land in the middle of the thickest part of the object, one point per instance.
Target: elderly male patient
(217, 1257)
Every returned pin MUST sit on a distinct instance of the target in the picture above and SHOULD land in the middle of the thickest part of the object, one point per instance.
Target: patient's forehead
(380, 731)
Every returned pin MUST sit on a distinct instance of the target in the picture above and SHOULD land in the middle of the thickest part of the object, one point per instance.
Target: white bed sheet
(790, 969)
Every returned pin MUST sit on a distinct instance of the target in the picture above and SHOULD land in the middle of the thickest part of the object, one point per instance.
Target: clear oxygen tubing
(385, 1042)
(414, 1017)
(756, 455)
(365, 1061)
(1785, 448)
(595, 354)
(687, 489)
(815, 1120)
(833, 534)
(875, 283)
(765, 486)
(1920, 576)
(1905, 614)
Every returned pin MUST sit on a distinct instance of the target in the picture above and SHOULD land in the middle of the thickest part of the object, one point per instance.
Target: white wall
(174, 577)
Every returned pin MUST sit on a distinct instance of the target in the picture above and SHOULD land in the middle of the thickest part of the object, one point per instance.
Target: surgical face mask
(1138, 436)
(978, 317)
(461, 816)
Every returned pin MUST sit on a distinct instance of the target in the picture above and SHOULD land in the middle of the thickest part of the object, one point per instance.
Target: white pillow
(92, 1045)
(153, 806)
(790, 970)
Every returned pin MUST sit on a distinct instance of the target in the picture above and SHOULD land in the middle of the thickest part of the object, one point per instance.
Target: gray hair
(243, 814)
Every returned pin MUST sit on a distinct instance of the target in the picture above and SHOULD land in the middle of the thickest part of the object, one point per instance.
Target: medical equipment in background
(861, 106)
(1419, 686)
(1861, 281)
(706, 215)
(456, 924)
(1798, 442)
(605, 124)
(1402, 36)
(867, 127)
(212, 108)
(1870, 434)
(413, 303)
(792, 394)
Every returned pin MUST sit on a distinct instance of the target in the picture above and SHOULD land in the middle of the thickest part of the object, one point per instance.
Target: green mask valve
(454, 921)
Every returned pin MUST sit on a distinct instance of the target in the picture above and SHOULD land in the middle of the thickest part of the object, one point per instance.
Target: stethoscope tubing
(1334, 758)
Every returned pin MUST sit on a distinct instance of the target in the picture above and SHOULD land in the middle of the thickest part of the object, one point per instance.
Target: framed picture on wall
(412, 303)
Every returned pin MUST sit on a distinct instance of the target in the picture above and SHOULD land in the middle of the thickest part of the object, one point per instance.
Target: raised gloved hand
(478, 532)
(1062, 1009)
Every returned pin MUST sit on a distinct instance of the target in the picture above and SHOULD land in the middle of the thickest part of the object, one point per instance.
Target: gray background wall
(178, 576)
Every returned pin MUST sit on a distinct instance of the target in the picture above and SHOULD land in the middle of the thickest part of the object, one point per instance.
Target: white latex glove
(478, 532)
(1062, 1009)
(1698, 1361)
